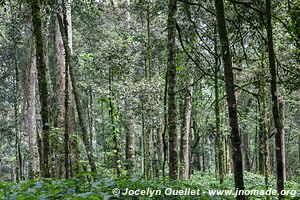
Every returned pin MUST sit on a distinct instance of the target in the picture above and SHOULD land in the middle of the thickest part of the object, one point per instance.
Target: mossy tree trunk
(185, 134)
(42, 82)
(231, 99)
(81, 118)
(275, 104)
(31, 119)
(172, 112)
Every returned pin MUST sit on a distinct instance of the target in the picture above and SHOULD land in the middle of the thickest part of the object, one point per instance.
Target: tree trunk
(115, 134)
(156, 152)
(42, 82)
(31, 120)
(172, 112)
(129, 130)
(231, 100)
(185, 135)
(81, 117)
(220, 152)
(66, 117)
(247, 165)
(275, 107)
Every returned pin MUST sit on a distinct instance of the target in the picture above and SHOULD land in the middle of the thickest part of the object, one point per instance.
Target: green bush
(83, 188)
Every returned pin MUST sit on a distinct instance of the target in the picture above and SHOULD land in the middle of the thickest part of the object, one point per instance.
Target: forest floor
(200, 186)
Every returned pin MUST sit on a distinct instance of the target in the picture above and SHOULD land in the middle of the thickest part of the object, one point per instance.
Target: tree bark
(42, 82)
(80, 112)
(185, 135)
(129, 130)
(172, 112)
(231, 100)
(31, 120)
(115, 133)
(219, 140)
(275, 106)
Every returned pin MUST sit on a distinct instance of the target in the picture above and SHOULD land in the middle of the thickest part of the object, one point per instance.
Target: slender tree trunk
(185, 135)
(42, 82)
(172, 112)
(219, 140)
(129, 122)
(261, 140)
(149, 44)
(60, 55)
(220, 152)
(129, 130)
(115, 134)
(66, 132)
(265, 135)
(18, 166)
(247, 165)
(31, 120)
(231, 100)
(275, 107)
(156, 151)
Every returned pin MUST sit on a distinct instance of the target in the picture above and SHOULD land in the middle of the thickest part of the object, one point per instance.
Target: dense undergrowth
(84, 188)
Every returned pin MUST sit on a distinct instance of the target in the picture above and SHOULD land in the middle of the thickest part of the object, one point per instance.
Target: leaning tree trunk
(42, 82)
(69, 61)
(31, 120)
(275, 107)
(231, 100)
(172, 112)
(66, 119)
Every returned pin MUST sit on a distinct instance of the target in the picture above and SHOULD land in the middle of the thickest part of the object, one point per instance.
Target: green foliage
(83, 188)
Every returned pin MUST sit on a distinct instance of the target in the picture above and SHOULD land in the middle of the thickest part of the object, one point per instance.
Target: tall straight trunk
(281, 116)
(60, 55)
(66, 117)
(129, 130)
(231, 100)
(31, 120)
(246, 161)
(149, 44)
(42, 82)
(129, 122)
(156, 151)
(264, 161)
(275, 107)
(203, 155)
(185, 135)
(172, 112)
(18, 166)
(219, 141)
(115, 134)
(261, 140)
(265, 131)
(81, 118)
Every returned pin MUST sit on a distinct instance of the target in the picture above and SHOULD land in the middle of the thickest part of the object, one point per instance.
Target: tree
(42, 81)
(231, 99)
(172, 113)
(63, 23)
(219, 138)
(275, 104)
(31, 119)
(185, 135)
